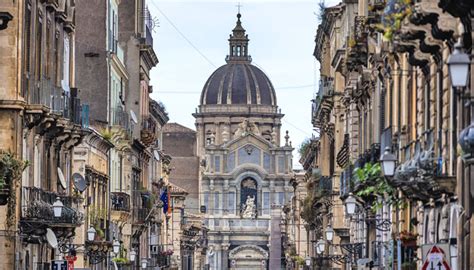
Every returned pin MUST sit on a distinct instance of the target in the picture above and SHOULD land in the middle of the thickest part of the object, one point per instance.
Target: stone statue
(274, 135)
(225, 134)
(249, 208)
(245, 128)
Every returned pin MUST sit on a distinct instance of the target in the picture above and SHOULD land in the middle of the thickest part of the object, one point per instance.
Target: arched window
(248, 198)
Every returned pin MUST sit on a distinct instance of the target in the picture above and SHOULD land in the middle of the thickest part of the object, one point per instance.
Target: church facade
(245, 166)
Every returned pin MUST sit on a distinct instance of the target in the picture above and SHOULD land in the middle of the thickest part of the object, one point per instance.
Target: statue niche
(248, 198)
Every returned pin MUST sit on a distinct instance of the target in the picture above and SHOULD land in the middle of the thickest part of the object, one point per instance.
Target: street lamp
(308, 261)
(350, 204)
(133, 254)
(466, 141)
(320, 246)
(58, 207)
(329, 233)
(388, 161)
(116, 246)
(144, 263)
(91, 234)
(458, 63)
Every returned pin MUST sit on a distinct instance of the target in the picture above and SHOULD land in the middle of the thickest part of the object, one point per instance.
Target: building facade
(384, 92)
(245, 172)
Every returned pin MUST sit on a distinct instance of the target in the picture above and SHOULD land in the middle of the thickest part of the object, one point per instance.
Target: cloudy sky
(191, 42)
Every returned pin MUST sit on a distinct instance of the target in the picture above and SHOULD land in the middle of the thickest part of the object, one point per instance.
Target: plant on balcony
(304, 146)
(11, 169)
(408, 238)
(372, 185)
(299, 260)
(307, 212)
(167, 252)
(121, 257)
(394, 13)
(95, 217)
(107, 134)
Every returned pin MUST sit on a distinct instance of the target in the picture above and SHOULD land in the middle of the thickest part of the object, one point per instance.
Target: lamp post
(458, 63)
(388, 161)
(58, 208)
(329, 233)
(144, 263)
(133, 255)
(350, 204)
(116, 247)
(91, 234)
(320, 246)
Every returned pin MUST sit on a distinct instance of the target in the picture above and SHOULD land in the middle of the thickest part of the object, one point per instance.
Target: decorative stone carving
(249, 209)
(274, 136)
(245, 128)
(225, 134)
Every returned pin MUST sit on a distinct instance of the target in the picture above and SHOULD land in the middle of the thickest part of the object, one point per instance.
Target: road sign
(59, 265)
(435, 260)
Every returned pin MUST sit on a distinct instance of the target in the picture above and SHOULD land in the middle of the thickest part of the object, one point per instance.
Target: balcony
(346, 185)
(140, 215)
(357, 53)
(325, 184)
(56, 101)
(148, 131)
(323, 102)
(37, 207)
(120, 117)
(120, 201)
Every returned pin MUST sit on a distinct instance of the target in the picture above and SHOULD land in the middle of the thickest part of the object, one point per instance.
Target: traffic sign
(59, 265)
(435, 260)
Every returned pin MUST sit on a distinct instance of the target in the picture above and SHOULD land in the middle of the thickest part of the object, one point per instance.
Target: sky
(190, 41)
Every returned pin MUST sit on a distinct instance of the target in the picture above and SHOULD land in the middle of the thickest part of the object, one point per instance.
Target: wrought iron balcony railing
(346, 184)
(120, 201)
(121, 118)
(325, 184)
(37, 206)
(140, 215)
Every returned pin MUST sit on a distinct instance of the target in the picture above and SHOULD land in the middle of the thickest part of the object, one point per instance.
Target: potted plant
(408, 238)
(11, 169)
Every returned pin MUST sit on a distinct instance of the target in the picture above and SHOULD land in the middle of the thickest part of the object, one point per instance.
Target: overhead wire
(183, 35)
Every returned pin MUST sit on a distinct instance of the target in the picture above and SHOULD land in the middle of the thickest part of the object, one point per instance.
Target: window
(65, 82)
(266, 203)
(231, 203)
(27, 48)
(216, 203)
(48, 49)
(217, 164)
(39, 49)
(57, 58)
(205, 200)
(279, 198)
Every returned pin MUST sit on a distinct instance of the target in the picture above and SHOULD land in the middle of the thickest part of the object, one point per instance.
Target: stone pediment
(249, 138)
(248, 252)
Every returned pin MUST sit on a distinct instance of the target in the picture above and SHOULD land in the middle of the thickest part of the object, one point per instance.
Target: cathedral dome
(238, 82)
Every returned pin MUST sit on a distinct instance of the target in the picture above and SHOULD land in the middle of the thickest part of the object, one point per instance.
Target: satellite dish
(51, 238)
(79, 182)
(62, 180)
(156, 155)
(134, 117)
